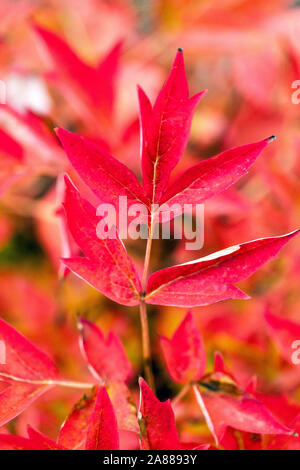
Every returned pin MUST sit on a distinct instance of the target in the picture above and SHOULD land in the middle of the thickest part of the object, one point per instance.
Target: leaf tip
(141, 381)
(290, 235)
(57, 129)
(36, 28)
(252, 385)
(271, 138)
(61, 132)
(67, 180)
(219, 364)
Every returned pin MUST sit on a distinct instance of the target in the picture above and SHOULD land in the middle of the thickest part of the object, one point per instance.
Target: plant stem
(143, 314)
(71, 384)
(181, 394)
(147, 257)
(205, 413)
(146, 346)
(62, 383)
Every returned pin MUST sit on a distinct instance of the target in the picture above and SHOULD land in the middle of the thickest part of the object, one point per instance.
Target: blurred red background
(248, 56)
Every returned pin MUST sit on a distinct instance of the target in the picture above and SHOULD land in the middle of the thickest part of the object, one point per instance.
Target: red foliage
(86, 90)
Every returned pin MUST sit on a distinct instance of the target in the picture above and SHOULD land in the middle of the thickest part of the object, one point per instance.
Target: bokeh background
(248, 55)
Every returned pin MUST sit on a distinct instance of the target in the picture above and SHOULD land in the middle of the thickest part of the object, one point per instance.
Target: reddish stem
(143, 315)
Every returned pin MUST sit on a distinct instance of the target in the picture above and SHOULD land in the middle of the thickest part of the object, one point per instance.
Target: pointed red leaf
(64, 57)
(25, 369)
(107, 72)
(281, 406)
(32, 133)
(97, 83)
(108, 362)
(73, 431)
(224, 404)
(184, 353)
(23, 360)
(106, 356)
(9, 146)
(11, 442)
(40, 441)
(287, 442)
(214, 175)
(106, 176)
(165, 129)
(107, 267)
(210, 279)
(124, 406)
(36, 441)
(219, 365)
(157, 423)
(15, 398)
(102, 431)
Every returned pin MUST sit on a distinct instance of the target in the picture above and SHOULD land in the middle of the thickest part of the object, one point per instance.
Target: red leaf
(224, 404)
(41, 441)
(107, 71)
(107, 267)
(286, 335)
(165, 129)
(98, 83)
(15, 398)
(23, 360)
(242, 412)
(108, 362)
(184, 353)
(287, 442)
(11, 147)
(219, 365)
(281, 406)
(36, 441)
(64, 57)
(124, 406)
(10, 442)
(73, 431)
(106, 176)
(106, 356)
(214, 175)
(34, 136)
(102, 431)
(157, 423)
(26, 369)
(210, 279)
